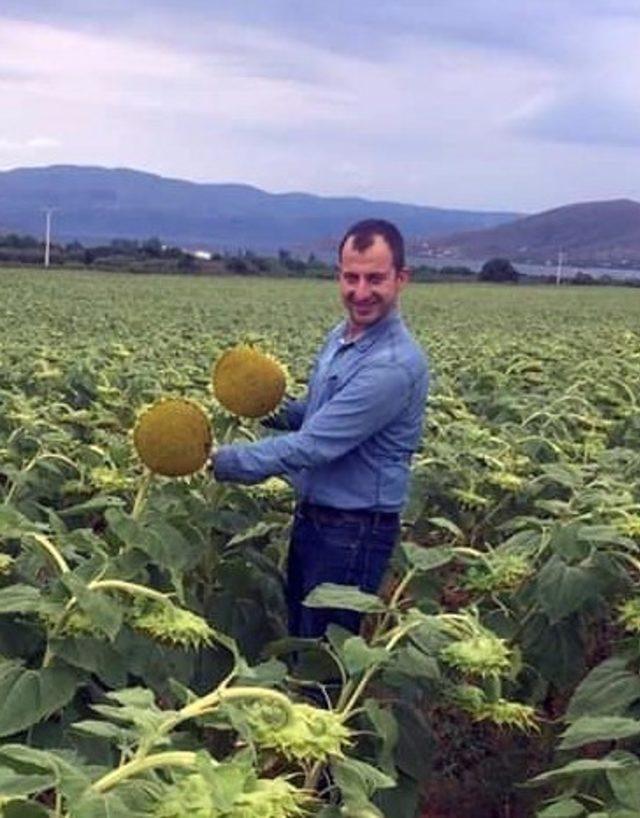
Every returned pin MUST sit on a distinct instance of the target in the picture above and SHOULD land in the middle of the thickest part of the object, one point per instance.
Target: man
(351, 438)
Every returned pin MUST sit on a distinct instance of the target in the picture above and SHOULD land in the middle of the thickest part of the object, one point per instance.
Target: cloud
(597, 101)
(470, 103)
(33, 143)
(586, 119)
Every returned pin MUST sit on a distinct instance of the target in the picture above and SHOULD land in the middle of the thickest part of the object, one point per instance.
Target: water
(568, 271)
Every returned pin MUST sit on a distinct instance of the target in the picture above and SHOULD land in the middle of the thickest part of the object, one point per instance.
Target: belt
(327, 515)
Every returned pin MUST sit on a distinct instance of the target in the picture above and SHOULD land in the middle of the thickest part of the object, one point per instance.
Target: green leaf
(14, 784)
(105, 612)
(260, 529)
(266, 674)
(608, 690)
(350, 597)
(69, 777)
(583, 766)
(426, 559)
(358, 656)
(412, 662)
(29, 696)
(103, 729)
(358, 781)
(402, 801)
(14, 524)
(24, 809)
(567, 808)
(556, 651)
(604, 535)
(96, 805)
(227, 781)
(95, 656)
(447, 525)
(562, 589)
(97, 503)
(598, 728)
(19, 599)
(386, 727)
(626, 786)
(415, 750)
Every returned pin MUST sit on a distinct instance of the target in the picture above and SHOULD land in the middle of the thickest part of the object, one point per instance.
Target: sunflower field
(145, 669)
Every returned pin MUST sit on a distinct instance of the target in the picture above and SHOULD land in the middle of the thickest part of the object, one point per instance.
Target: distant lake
(568, 270)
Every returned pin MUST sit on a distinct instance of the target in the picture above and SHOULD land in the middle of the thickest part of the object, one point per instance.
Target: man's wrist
(222, 463)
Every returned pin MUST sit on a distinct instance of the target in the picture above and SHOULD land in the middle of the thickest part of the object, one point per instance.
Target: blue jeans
(346, 553)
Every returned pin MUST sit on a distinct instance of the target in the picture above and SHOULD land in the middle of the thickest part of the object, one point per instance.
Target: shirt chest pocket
(330, 385)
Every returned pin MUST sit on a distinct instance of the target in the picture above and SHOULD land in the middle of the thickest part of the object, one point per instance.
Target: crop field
(145, 669)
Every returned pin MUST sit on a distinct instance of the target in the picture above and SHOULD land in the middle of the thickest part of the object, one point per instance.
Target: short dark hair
(364, 233)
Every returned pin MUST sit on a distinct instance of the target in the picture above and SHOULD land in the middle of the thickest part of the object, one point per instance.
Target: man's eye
(376, 280)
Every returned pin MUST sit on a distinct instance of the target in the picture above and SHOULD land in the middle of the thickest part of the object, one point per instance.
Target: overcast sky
(483, 104)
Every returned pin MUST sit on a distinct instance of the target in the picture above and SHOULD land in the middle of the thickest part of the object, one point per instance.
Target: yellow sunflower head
(173, 437)
(248, 382)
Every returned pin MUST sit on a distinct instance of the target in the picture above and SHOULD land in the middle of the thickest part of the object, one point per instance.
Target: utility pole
(47, 240)
(559, 267)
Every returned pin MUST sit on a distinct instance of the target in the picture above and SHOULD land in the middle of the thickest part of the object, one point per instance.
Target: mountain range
(588, 233)
(94, 205)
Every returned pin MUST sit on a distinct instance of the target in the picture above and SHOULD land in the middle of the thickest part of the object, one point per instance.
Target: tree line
(153, 256)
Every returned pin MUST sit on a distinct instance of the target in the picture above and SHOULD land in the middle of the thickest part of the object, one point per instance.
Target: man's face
(369, 283)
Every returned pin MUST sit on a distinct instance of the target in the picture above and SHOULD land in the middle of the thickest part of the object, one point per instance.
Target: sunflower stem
(141, 497)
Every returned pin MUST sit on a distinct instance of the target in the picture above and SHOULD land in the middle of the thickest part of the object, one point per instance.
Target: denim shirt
(354, 433)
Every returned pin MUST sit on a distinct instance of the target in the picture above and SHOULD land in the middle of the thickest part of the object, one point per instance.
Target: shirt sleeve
(363, 406)
(289, 418)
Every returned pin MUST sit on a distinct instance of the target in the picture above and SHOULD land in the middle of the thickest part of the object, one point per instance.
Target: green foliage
(516, 576)
(499, 270)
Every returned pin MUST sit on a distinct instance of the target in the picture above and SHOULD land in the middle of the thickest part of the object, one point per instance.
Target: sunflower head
(248, 382)
(500, 571)
(502, 713)
(166, 622)
(193, 796)
(6, 564)
(310, 734)
(482, 654)
(173, 437)
(629, 614)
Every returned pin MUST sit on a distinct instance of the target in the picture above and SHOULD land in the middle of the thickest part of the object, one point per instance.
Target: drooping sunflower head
(6, 564)
(483, 655)
(499, 571)
(169, 623)
(248, 382)
(629, 614)
(309, 734)
(195, 797)
(501, 712)
(173, 437)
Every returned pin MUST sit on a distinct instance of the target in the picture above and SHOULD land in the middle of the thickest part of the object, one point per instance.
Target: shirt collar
(372, 333)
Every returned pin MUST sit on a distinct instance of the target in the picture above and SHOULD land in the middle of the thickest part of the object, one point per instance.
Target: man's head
(372, 271)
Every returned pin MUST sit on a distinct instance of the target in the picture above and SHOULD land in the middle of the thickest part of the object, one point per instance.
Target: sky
(518, 105)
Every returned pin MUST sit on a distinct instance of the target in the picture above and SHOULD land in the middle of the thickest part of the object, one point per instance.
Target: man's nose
(362, 290)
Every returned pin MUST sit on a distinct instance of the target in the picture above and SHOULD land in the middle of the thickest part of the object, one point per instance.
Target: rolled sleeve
(363, 406)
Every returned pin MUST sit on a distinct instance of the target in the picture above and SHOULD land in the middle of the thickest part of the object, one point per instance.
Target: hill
(589, 233)
(96, 204)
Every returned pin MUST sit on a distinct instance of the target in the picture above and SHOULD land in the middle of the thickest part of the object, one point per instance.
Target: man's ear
(404, 275)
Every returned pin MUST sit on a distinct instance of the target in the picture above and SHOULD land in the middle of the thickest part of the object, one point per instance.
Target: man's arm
(369, 401)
